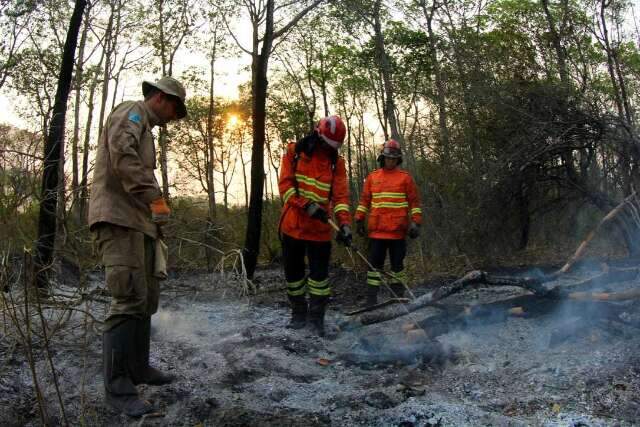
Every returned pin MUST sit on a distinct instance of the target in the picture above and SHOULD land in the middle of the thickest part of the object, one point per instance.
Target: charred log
(420, 302)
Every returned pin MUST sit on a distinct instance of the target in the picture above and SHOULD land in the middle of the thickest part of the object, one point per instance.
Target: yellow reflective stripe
(396, 205)
(416, 211)
(391, 195)
(297, 288)
(374, 278)
(341, 207)
(313, 182)
(288, 194)
(320, 288)
(296, 292)
(399, 277)
(312, 196)
(362, 209)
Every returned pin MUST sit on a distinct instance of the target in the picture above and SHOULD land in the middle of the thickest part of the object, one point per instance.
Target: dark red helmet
(332, 130)
(391, 149)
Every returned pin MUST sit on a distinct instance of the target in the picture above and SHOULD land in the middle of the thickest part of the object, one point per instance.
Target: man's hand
(316, 211)
(160, 212)
(414, 230)
(360, 228)
(344, 236)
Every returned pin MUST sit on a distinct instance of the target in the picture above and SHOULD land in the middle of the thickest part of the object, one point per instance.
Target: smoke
(200, 320)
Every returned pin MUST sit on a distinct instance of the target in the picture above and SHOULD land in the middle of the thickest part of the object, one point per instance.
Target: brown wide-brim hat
(172, 87)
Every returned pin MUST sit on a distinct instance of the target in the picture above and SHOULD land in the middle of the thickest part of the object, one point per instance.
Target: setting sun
(233, 120)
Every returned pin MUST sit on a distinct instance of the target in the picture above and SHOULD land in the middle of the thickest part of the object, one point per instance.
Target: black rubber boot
(120, 393)
(372, 296)
(317, 307)
(397, 289)
(298, 312)
(142, 372)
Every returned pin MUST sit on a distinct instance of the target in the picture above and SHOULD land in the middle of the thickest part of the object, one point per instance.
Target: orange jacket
(389, 196)
(314, 176)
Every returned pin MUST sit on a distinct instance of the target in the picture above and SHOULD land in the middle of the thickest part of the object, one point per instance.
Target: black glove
(344, 236)
(360, 229)
(316, 211)
(414, 230)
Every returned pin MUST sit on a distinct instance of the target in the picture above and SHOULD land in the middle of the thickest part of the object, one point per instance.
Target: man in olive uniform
(125, 210)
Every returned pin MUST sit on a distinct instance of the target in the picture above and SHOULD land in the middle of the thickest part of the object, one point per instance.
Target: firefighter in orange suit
(313, 185)
(391, 199)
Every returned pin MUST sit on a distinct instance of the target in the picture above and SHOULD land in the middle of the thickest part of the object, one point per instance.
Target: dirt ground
(566, 364)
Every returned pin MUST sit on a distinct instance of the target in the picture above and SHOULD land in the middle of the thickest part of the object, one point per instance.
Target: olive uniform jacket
(123, 179)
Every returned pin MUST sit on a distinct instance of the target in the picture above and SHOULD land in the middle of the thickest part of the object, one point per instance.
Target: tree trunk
(556, 41)
(259, 66)
(84, 191)
(387, 75)
(53, 143)
(75, 180)
(210, 149)
(244, 172)
(254, 220)
(106, 76)
(162, 142)
(439, 80)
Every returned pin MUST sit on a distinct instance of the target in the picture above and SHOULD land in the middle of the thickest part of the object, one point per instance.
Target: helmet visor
(392, 152)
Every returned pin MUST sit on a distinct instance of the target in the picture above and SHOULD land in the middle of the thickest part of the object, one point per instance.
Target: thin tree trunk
(387, 75)
(75, 181)
(556, 41)
(210, 178)
(244, 172)
(106, 76)
(439, 80)
(84, 191)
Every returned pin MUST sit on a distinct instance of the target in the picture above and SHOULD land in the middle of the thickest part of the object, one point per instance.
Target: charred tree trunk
(259, 66)
(259, 85)
(53, 143)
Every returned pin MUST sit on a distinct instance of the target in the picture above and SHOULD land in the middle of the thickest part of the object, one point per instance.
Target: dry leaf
(324, 362)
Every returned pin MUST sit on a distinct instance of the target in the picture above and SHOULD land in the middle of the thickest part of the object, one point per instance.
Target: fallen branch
(583, 246)
(608, 276)
(631, 294)
(420, 302)
(377, 306)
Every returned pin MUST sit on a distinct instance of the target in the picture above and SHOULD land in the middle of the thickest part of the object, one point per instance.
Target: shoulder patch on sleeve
(134, 117)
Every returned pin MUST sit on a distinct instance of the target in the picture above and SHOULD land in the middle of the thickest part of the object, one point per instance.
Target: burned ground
(470, 361)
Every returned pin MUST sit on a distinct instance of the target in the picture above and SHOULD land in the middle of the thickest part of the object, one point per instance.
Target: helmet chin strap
(333, 144)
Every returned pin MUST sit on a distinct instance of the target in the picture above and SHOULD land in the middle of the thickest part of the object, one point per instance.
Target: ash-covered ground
(567, 364)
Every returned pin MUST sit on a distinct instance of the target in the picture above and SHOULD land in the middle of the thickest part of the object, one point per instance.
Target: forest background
(518, 119)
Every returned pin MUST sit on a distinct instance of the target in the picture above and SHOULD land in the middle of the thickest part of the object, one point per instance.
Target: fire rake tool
(390, 301)
(364, 258)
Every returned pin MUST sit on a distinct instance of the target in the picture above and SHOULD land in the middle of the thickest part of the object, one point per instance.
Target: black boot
(142, 372)
(372, 296)
(317, 307)
(397, 289)
(120, 393)
(298, 312)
